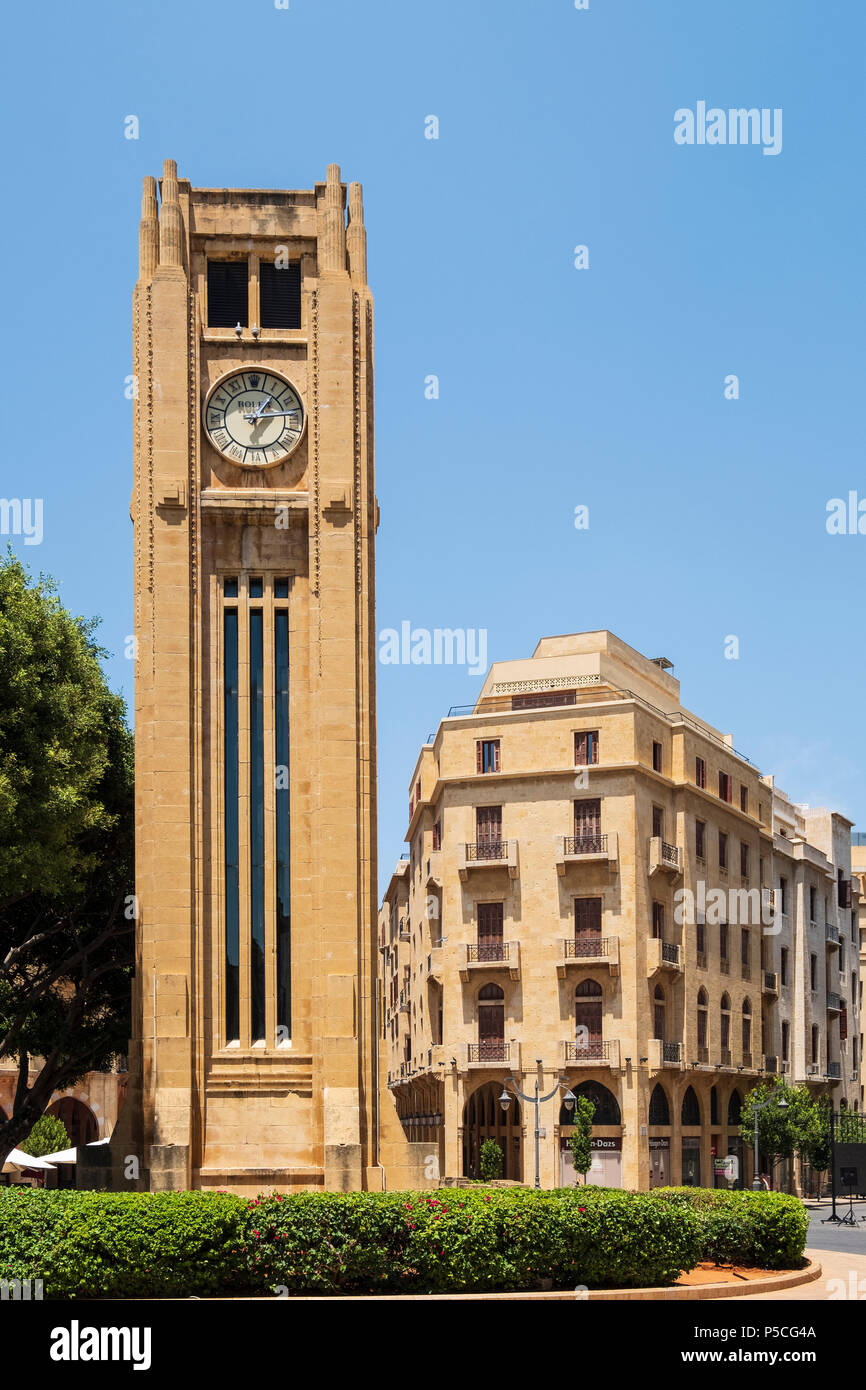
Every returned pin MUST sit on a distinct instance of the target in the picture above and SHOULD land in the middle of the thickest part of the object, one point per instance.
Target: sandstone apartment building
(602, 894)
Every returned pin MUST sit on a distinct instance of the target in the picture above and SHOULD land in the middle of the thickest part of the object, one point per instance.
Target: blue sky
(558, 386)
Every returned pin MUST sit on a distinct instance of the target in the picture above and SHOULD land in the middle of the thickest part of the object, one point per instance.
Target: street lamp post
(536, 1100)
(783, 1105)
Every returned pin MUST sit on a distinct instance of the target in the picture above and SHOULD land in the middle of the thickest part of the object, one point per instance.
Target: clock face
(254, 418)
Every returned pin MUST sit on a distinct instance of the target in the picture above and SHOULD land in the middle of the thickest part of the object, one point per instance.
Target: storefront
(605, 1169)
(660, 1162)
(691, 1161)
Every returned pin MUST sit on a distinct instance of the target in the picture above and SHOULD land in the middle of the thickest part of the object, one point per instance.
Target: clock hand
(257, 414)
(275, 414)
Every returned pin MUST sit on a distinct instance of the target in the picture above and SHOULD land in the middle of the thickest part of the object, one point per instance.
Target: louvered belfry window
(280, 294)
(227, 294)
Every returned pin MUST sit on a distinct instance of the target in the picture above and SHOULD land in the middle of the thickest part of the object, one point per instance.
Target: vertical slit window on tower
(284, 911)
(227, 294)
(280, 294)
(257, 824)
(232, 956)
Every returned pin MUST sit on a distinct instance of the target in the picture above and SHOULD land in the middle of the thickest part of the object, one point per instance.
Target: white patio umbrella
(15, 1160)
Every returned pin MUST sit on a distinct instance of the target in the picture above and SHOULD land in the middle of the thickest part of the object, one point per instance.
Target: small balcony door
(488, 826)
(490, 931)
(587, 1018)
(587, 826)
(587, 922)
(491, 1024)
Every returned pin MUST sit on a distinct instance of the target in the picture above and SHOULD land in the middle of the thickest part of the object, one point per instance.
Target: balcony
(664, 1054)
(834, 1003)
(491, 955)
(662, 955)
(404, 1001)
(771, 1063)
(587, 849)
(725, 1057)
(834, 1071)
(487, 854)
(491, 1053)
(664, 858)
(588, 950)
(405, 934)
(831, 936)
(770, 984)
(590, 1054)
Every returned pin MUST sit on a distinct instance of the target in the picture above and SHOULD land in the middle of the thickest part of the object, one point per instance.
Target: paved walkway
(841, 1251)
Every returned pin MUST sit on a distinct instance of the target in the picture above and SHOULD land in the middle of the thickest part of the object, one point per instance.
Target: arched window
(691, 1111)
(703, 1005)
(606, 1107)
(747, 1032)
(659, 1013)
(735, 1106)
(725, 1019)
(491, 992)
(714, 1106)
(588, 989)
(659, 1112)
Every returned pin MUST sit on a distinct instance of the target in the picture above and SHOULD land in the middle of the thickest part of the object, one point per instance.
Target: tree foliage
(580, 1140)
(48, 1136)
(66, 850)
(800, 1127)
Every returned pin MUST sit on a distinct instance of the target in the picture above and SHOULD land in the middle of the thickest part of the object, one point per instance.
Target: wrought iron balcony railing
(592, 1051)
(488, 1051)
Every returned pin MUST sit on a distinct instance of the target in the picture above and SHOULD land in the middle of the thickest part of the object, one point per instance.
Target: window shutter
(227, 294)
(478, 754)
(280, 295)
(496, 756)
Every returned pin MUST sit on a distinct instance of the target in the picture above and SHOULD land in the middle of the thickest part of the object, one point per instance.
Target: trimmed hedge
(766, 1230)
(120, 1244)
(461, 1239)
(175, 1244)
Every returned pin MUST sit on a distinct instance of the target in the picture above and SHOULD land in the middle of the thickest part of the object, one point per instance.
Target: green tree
(491, 1160)
(48, 1136)
(580, 1140)
(781, 1132)
(66, 849)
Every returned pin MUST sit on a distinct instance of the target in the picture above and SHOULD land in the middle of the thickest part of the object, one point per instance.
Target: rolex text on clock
(254, 418)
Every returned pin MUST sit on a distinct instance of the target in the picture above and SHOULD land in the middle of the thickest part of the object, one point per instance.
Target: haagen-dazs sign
(608, 1145)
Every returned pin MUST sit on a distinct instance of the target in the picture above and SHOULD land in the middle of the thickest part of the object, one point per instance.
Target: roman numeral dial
(254, 418)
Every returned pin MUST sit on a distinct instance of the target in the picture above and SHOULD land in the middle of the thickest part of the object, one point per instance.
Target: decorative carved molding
(541, 683)
(314, 432)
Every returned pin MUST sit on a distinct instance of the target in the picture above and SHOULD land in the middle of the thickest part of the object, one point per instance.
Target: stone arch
(659, 1110)
(735, 1106)
(690, 1111)
(81, 1124)
(607, 1111)
(484, 1118)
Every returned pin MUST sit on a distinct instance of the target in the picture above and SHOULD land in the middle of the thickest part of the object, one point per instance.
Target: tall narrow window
(227, 294)
(230, 721)
(657, 757)
(700, 772)
(257, 823)
(284, 907)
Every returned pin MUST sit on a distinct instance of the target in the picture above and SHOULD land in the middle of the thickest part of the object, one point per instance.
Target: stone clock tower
(253, 1064)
